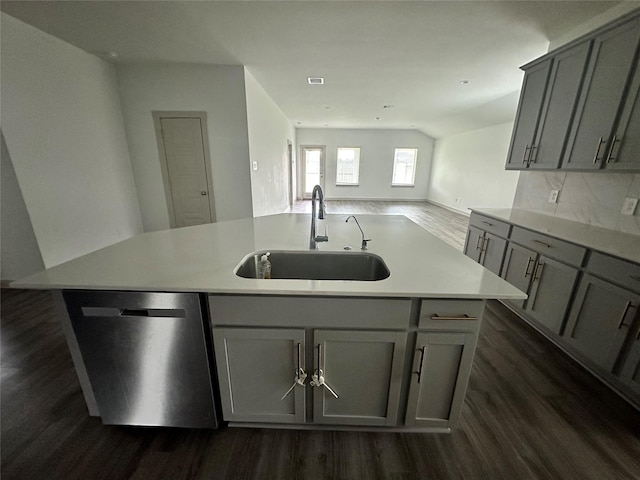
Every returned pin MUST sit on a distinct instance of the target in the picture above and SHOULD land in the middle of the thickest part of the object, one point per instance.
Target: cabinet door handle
(532, 156)
(610, 156)
(525, 158)
(526, 270)
(478, 242)
(419, 372)
(596, 158)
(537, 271)
(624, 314)
(435, 316)
(542, 244)
(485, 242)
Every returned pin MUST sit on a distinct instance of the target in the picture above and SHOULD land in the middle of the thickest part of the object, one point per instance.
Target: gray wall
(62, 123)
(376, 161)
(216, 89)
(19, 252)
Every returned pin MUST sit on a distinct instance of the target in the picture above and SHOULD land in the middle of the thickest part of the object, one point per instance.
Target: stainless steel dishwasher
(147, 356)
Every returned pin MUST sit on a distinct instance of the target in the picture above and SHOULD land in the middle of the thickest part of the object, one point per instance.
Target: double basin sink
(317, 265)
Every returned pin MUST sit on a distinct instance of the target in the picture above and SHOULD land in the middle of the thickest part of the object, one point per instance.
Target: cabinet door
(630, 374)
(493, 249)
(624, 153)
(601, 96)
(518, 268)
(364, 369)
(551, 290)
(472, 247)
(562, 95)
(439, 381)
(600, 319)
(529, 108)
(256, 367)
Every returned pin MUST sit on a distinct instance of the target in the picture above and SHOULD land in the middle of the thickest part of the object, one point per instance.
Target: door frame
(291, 171)
(158, 115)
(303, 168)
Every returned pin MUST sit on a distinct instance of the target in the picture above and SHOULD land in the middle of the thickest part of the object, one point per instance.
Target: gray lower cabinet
(600, 320)
(548, 283)
(472, 246)
(630, 372)
(364, 371)
(439, 379)
(256, 367)
(482, 243)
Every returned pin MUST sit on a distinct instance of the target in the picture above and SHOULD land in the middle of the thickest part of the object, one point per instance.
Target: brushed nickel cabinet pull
(532, 156)
(546, 245)
(526, 270)
(485, 242)
(525, 158)
(478, 242)
(610, 156)
(537, 272)
(624, 314)
(595, 158)
(419, 372)
(487, 223)
(435, 316)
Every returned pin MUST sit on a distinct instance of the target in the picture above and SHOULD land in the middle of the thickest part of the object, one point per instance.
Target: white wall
(217, 90)
(19, 252)
(62, 122)
(269, 131)
(470, 166)
(376, 161)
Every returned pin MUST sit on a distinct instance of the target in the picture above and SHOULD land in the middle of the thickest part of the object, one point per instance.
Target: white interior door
(187, 170)
(312, 169)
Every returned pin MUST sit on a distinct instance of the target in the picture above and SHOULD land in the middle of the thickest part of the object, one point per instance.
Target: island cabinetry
(486, 242)
(603, 93)
(548, 282)
(442, 361)
(604, 318)
(541, 128)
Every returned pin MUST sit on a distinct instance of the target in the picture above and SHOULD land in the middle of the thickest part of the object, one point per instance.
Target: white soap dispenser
(264, 267)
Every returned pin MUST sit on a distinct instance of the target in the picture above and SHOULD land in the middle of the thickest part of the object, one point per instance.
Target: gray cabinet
(528, 114)
(472, 246)
(483, 244)
(441, 369)
(624, 153)
(517, 269)
(256, 367)
(600, 320)
(601, 98)
(364, 370)
(630, 372)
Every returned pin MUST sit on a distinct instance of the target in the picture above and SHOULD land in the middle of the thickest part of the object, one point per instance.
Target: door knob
(203, 193)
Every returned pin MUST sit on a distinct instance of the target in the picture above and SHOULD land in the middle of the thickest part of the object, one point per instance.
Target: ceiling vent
(315, 80)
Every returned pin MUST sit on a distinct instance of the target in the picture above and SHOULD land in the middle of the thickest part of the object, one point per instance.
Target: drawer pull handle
(419, 372)
(597, 158)
(542, 244)
(624, 314)
(487, 223)
(526, 270)
(452, 317)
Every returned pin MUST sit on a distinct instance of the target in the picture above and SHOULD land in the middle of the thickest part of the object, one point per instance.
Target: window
(348, 166)
(404, 166)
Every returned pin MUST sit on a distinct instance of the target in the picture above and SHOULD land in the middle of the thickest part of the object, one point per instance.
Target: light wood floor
(530, 413)
(447, 225)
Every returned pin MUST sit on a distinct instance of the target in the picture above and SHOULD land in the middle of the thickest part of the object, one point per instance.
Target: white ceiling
(411, 55)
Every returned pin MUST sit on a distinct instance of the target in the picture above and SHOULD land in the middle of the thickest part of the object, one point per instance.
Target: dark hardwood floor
(530, 413)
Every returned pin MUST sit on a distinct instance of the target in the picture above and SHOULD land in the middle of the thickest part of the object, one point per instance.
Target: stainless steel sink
(315, 265)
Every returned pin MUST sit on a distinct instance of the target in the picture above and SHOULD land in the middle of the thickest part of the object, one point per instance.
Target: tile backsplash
(592, 197)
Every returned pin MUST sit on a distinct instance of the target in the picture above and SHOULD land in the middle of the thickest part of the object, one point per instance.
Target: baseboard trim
(465, 211)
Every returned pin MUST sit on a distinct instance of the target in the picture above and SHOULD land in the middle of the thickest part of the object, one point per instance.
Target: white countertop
(202, 259)
(619, 244)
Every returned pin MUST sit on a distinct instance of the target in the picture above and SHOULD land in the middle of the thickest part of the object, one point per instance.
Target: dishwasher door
(147, 356)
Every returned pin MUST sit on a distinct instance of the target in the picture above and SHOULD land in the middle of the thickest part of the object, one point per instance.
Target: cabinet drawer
(489, 224)
(335, 312)
(619, 271)
(440, 309)
(549, 246)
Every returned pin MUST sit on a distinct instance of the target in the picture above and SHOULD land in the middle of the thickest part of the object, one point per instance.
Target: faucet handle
(364, 243)
(323, 238)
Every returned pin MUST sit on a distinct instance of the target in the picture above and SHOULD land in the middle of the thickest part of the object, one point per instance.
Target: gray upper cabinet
(439, 380)
(601, 98)
(363, 376)
(256, 368)
(562, 95)
(600, 319)
(531, 98)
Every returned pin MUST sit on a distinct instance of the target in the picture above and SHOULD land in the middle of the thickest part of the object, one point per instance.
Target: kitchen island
(391, 354)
